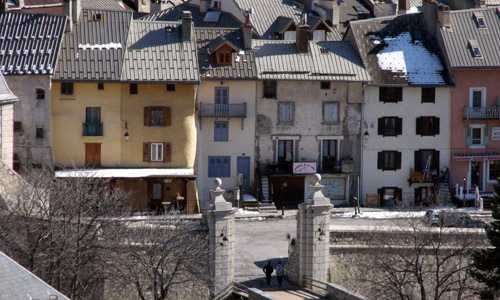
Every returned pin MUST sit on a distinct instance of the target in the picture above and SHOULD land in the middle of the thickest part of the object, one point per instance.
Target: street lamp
(465, 187)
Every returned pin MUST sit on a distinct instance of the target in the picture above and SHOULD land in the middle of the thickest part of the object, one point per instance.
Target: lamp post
(465, 187)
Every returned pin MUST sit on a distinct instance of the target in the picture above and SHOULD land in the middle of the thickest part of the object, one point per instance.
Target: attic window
(358, 9)
(418, 34)
(217, 4)
(97, 17)
(212, 16)
(476, 51)
(223, 57)
(480, 20)
(168, 29)
(323, 50)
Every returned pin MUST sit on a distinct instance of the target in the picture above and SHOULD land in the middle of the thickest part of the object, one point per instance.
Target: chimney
(204, 6)
(76, 10)
(480, 3)
(429, 11)
(404, 7)
(157, 5)
(4, 5)
(20, 3)
(186, 25)
(246, 29)
(443, 14)
(302, 38)
(335, 14)
(67, 8)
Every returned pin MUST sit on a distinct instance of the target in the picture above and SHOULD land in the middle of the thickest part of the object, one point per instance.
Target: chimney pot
(302, 38)
(204, 5)
(404, 6)
(444, 16)
(4, 5)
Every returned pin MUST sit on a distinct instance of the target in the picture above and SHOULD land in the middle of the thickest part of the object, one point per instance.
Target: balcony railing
(224, 110)
(92, 129)
(482, 113)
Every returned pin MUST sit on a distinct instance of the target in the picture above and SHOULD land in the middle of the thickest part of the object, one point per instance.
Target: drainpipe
(361, 139)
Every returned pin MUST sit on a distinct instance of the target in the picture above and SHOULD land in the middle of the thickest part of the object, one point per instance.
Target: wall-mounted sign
(495, 133)
(334, 188)
(304, 167)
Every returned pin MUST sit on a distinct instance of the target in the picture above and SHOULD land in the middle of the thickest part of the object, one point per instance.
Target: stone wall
(336, 292)
(255, 294)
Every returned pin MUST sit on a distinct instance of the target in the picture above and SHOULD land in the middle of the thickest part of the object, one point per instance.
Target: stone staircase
(265, 188)
(444, 195)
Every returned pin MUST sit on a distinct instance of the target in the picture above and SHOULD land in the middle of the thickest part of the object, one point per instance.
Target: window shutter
(398, 160)
(167, 152)
(435, 161)
(380, 193)
(399, 126)
(418, 161)
(382, 94)
(381, 126)
(380, 160)
(486, 136)
(399, 195)
(147, 116)
(225, 96)
(224, 131)
(436, 126)
(398, 94)
(468, 136)
(167, 117)
(146, 149)
(419, 126)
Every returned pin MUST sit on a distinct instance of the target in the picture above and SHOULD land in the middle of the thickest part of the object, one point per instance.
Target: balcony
(92, 129)
(224, 110)
(482, 113)
(429, 176)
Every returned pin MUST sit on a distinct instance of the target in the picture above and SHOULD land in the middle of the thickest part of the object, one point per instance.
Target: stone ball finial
(317, 178)
(217, 182)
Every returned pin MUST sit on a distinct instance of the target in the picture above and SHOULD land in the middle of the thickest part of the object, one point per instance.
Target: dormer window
(476, 51)
(223, 50)
(97, 18)
(223, 56)
(217, 4)
(290, 35)
(480, 20)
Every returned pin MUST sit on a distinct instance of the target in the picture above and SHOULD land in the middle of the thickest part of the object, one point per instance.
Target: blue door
(244, 168)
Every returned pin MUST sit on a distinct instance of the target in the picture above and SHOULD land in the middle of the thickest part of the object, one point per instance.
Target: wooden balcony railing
(482, 113)
(224, 110)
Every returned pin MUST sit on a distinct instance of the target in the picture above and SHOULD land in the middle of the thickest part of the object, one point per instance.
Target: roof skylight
(480, 20)
(476, 51)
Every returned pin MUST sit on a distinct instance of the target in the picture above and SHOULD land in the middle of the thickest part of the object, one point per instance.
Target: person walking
(268, 269)
(280, 271)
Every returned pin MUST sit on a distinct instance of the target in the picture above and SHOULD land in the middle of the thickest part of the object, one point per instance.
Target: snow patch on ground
(243, 212)
(411, 60)
(386, 214)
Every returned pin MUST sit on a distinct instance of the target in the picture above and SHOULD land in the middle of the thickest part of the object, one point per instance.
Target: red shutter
(419, 126)
(146, 149)
(380, 160)
(147, 116)
(398, 160)
(167, 152)
(436, 126)
(399, 126)
(381, 126)
(167, 116)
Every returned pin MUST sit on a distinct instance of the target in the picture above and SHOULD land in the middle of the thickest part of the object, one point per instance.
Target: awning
(125, 173)
(476, 156)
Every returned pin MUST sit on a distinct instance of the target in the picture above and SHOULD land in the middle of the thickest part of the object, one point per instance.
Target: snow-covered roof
(125, 173)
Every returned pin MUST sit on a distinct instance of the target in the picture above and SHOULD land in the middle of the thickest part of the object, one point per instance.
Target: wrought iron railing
(92, 129)
(224, 110)
(482, 113)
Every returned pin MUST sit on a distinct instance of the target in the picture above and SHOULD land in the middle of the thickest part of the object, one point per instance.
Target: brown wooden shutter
(399, 126)
(167, 116)
(418, 161)
(380, 160)
(435, 161)
(147, 116)
(380, 193)
(381, 126)
(436, 126)
(419, 126)
(167, 152)
(146, 149)
(382, 94)
(398, 161)
(398, 94)
(399, 195)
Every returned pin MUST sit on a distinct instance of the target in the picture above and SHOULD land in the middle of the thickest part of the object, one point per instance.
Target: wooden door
(92, 154)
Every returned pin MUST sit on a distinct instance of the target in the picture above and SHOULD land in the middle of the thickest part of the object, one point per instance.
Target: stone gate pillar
(313, 235)
(219, 217)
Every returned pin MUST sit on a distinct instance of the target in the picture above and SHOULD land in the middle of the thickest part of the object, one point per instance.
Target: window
(93, 125)
(221, 131)
(494, 170)
(427, 160)
(97, 18)
(330, 112)
(224, 57)
(428, 95)
(219, 166)
(389, 160)
(286, 111)
(100, 86)
(170, 87)
(93, 115)
(329, 155)
(477, 97)
(222, 95)
(285, 154)
(157, 116)
(39, 132)
(66, 88)
(319, 35)
(390, 126)
(269, 88)
(325, 85)
(18, 126)
(40, 94)
(134, 89)
(157, 152)
(290, 36)
(476, 51)
(390, 196)
(390, 94)
(477, 135)
(217, 4)
(427, 126)
(480, 20)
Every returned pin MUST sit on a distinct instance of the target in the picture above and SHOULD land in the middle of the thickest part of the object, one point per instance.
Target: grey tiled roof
(347, 13)
(155, 55)
(101, 4)
(175, 14)
(78, 61)
(243, 66)
(463, 29)
(326, 60)
(368, 37)
(18, 283)
(6, 95)
(29, 44)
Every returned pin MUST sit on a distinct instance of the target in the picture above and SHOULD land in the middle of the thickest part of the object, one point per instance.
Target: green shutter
(486, 136)
(468, 136)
